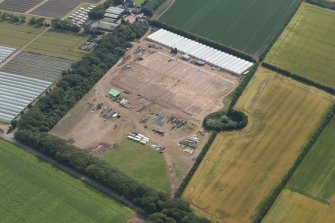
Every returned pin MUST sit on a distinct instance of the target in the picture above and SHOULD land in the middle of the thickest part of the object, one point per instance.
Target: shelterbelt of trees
(34, 125)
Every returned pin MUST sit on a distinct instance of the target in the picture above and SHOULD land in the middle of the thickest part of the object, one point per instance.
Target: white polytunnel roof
(201, 52)
(16, 93)
(5, 52)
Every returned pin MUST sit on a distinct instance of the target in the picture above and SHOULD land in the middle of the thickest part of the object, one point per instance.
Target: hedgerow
(299, 78)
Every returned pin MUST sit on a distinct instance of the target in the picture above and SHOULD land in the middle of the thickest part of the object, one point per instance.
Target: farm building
(109, 20)
(5, 52)
(106, 26)
(114, 93)
(111, 16)
(201, 52)
(16, 93)
(115, 10)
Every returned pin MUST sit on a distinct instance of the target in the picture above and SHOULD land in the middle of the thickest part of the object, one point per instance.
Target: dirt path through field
(171, 174)
(36, 6)
(22, 48)
(159, 14)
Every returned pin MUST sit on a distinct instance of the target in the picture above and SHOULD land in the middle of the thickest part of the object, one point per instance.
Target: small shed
(114, 93)
(124, 103)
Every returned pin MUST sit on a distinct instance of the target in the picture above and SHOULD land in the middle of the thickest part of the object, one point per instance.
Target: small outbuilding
(114, 93)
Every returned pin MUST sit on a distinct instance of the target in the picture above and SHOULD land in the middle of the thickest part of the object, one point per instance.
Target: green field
(310, 192)
(58, 44)
(306, 47)
(17, 35)
(34, 191)
(141, 163)
(244, 25)
(138, 2)
(242, 167)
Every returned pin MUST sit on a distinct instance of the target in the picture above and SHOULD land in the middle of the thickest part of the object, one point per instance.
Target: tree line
(299, 78)
(20, 19)
(322, 3)
(34, 125)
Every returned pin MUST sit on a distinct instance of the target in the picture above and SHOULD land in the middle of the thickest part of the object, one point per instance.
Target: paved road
(10, 138)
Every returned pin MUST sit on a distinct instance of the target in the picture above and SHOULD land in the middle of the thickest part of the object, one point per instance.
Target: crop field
(18, 5)
(312, 186)
(243, 167)
(34, 191)
(17, 35)
(295, 208)
(56, 44)
(306, 47)
(129, 158)
(138, 2)
(37, 66)
(248, 26)
(56, 8)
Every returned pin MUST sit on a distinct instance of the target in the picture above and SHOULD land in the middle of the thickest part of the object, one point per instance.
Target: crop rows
(56, 8)
(18, 5)
(37, 66)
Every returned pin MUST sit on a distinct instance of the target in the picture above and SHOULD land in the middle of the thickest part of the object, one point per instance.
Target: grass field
(138, 2)
(17, 35)
(310, 193)
(244, 25)
(141, 163)
(242, 168)
(306, 47)
(63, 45)
(34, 191)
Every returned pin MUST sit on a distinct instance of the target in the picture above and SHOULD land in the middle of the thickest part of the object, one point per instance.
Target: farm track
(73, 173)
(36, 6)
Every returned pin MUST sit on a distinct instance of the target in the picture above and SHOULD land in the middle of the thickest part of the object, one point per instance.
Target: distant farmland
(17, 35)
(245, 25)
(306, 47)
(34, 191)
(310, 193)
(242, 168)
(58, 44)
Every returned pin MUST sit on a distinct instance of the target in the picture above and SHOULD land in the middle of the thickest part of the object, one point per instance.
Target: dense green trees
(323, 3)
(149, 6)
(226, 120)
(64, 25)
(12, 18)
(33, 21)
